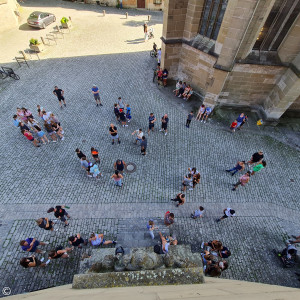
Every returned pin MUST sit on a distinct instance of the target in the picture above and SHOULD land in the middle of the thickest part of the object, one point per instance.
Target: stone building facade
(148, 4)
(236, 52)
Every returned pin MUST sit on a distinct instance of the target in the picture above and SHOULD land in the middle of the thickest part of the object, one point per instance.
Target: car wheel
(54, 19)
(44, 25)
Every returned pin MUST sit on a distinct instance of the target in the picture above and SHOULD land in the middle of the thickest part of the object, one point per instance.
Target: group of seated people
(183, 90)
(213, 258)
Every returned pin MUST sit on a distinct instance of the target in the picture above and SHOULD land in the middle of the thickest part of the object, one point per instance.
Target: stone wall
(8, 16)
(250, 84)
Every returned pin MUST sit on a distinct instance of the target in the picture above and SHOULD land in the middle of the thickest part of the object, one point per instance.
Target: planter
(37, 48)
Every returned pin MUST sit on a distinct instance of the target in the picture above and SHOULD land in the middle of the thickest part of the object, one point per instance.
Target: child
(151, 228)
(128, 113)
(41, 134)
(198, 213)
(233, 126)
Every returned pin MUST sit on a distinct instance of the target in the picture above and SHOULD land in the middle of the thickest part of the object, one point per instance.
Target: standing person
(189, 119)
(228, 212)
(45, 223)
(169, 218)
(187, 181)
(180, 198)
(152, 120)
(258, 167)
(76, 240)
(159, 76)
(240, 120)
(95, 155)
(95, 92)
(85, 164)
(30, 137)
(39, 110)
(121, 104)
(243, 122)
(60, 213)
(122, 117)
(151, 227)
(242, 181)
(233, 126)
(256, 158)
(198, 213)
(143, 145)
(116, 112)
(59, 93)
(79, 153)
(164, 124)
(58, 129)
(31, 262)
(165, 77)
(240, 166)
(139, 134)
(31, 244)
(16, 122)
(51, 132)
(98, 240)
(207, 112)
(120, 165)
(128, 113)
(117, 178)
(145, 32)
(113, 131)
(159, 55)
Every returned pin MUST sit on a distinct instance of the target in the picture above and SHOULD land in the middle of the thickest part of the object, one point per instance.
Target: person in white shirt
(228, 212)
(198, 213)
(46, 116)
(139, 134)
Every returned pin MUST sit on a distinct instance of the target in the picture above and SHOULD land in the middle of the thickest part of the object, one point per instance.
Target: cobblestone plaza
(34, 179)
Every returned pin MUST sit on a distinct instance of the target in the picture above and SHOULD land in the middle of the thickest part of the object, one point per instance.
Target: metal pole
(103, 13)
(126, 14)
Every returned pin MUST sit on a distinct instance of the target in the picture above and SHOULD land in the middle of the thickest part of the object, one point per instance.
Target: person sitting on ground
(31, 262)
(223, 265)
(213, 271)
(77, 240)
(215, 245)
(177, 88)
(187, 181)
(45, 223)
(207, 259)
(139, 134)
(60, 213)
(97, 239)
(169, 218)
(165, 245)
(240, 166)
(31, 244)
(59, 252)
(120, 166)
(224, 252)
(198, 213)
(180, 198)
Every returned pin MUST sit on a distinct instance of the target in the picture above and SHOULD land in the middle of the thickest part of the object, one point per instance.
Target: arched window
(212, 16)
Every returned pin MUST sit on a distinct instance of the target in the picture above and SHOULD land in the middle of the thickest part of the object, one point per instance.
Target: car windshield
(34, 16)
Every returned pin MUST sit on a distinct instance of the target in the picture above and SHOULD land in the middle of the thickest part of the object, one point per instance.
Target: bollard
(149, 17)
(70, 18)
(103, 13)
(126, 14)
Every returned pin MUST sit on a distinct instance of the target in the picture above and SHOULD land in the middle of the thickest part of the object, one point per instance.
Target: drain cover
(131, 167)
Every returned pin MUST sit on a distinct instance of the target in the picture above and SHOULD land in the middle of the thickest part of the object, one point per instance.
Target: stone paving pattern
(34, 179)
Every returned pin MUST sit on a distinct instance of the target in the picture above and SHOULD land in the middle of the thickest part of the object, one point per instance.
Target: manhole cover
(131, 167)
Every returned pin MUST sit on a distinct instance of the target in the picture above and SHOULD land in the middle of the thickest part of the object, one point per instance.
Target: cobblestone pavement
(33, 179)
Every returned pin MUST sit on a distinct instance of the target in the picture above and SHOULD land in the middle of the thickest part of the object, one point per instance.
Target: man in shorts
(96, 94)
(60, 213)
(143, 145)
(164, 124)
(113, 131)
(139, 134)
(208, 110)
(152, 120)
(120, 165)
(59, 93)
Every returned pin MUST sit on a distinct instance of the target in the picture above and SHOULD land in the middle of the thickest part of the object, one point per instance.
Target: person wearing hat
(96, 94)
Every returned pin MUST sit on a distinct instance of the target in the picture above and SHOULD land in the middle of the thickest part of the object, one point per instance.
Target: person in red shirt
(233, 126)
(159, 76)
(30, 137)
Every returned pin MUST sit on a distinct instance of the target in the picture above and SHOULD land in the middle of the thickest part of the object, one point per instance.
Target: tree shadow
(136, 41)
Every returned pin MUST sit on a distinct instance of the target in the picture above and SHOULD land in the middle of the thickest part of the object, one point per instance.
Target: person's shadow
(136, 41)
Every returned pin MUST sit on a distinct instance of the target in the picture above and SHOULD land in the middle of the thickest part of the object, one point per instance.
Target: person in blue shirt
(16, 122)
(208, 111)
(128, 113)
(31, 244)
(152, 120)
(96, 94)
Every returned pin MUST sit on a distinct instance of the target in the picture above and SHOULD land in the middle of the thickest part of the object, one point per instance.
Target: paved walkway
(34, 179)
